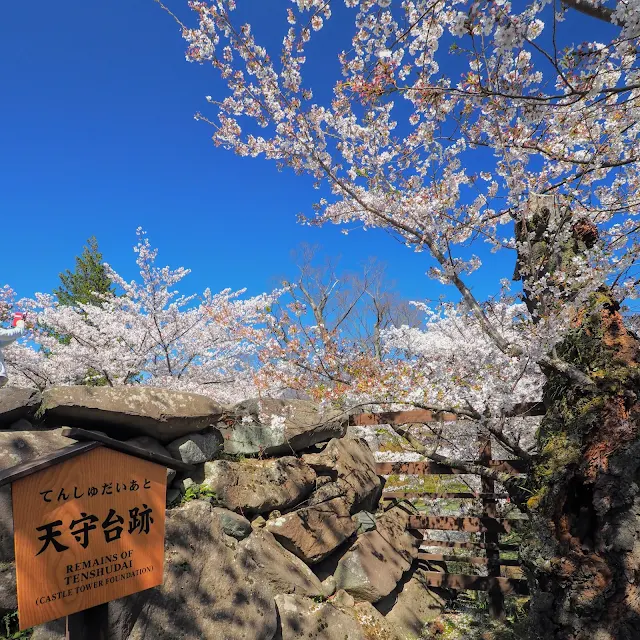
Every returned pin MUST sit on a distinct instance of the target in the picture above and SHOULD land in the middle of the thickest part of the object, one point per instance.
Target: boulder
(343, 599)
(329, 586)
(328, 491)
(375, 563)
(393, 526)
(374, 624)
(353, 466)
(365, 521)
(233, 524)
(270, 426)
(412, 605)
(151, 444)
(196, 448)
(207, 592)
(312, 533)
(303, 619)
(173, 497)
(126, 412)
(271, 564)
(17, 403)
(257, 486)
(17, 447)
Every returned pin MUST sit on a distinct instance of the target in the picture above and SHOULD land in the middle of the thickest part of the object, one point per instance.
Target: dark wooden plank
(11, 474)
(424, 415)
(466, 545)
(460, 581)
(90, 624)
(496, 597)
(402, 417)
(470, 524)
(425, 495)
(433, 468)
(442, 557)
(125, 447)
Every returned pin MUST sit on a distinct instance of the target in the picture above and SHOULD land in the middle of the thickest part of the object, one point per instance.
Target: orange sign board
(87, 531)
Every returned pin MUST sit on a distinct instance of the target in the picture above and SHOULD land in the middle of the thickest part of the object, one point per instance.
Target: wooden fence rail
(488, 525)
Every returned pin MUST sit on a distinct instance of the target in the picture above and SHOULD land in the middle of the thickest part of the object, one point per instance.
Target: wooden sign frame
(95, 476)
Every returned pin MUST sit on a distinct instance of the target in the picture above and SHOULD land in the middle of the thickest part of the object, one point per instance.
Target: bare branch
(583, 6)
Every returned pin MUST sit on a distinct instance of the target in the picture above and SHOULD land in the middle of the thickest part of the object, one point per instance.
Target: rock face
(17, 403)
(270, 426)
(207, 594)
(17, 447)
(302, 619)
(372, 567)
(197, 447)
(351, 463)
(126, 412)
(412, 606)
(257, 486)
(233, 524)
(151, 444)
(365, 521)
(8, 594)
(272, 564)
(312, 533)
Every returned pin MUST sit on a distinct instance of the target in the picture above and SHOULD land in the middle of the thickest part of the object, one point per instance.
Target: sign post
(88, 529)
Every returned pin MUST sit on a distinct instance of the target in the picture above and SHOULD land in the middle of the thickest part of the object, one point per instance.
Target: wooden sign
(87, 530)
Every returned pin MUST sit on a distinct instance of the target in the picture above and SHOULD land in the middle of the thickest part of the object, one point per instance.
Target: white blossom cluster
(147, 333)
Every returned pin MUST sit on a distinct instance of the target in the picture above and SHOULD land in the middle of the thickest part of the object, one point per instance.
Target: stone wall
(276, 534)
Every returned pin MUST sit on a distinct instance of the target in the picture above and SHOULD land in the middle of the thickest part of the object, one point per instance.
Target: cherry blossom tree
(467, 125)
(147, 333)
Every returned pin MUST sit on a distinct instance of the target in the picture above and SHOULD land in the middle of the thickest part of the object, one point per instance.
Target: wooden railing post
(90, 624)
(492, 539)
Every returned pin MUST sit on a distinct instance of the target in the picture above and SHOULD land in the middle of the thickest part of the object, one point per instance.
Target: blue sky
(98, 138)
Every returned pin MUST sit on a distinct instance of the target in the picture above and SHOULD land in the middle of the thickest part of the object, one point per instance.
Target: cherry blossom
(430, 92)
(148, 333)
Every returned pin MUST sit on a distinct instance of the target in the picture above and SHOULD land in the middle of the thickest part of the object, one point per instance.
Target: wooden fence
(488, 525)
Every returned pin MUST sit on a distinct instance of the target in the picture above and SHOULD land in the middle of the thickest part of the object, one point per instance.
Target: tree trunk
(582, 556)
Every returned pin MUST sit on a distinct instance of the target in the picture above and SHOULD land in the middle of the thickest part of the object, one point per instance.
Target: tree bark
(582, 555)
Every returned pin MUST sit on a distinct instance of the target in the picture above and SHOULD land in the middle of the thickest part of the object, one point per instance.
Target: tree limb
(584, 6)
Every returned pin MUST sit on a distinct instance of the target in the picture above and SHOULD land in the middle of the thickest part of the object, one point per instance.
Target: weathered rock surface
(375, 563)
(352, 464)
(303, 619)
(329, 586)
(257, 486)
(8, 595)
(412, 605)
(151, 444)
(277, 567)
(196, 447)
(374, 624)
(17, 447)
(275, 426)
(338, 619)
(54, 630)
(365, 521)
(312, 533)
(233, 524)
(126, 412)
(17, 403)
(207, 593)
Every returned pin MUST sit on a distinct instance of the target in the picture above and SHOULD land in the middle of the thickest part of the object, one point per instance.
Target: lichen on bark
(583, 553)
